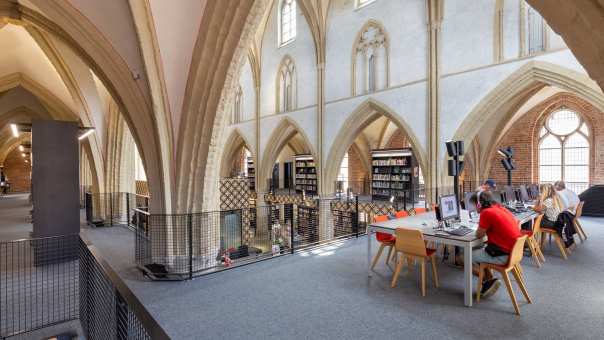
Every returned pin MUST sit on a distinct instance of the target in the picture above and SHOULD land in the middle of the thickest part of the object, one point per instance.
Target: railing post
(111, 209)
(127, 209)
(355, 217)
(190, 237)
(291, 229)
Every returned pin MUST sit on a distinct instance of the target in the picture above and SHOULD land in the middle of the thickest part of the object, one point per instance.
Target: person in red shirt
(502, 230)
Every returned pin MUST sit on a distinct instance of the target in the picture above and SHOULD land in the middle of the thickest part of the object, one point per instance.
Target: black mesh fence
(38, 283)
(47, 281)
(112, 209)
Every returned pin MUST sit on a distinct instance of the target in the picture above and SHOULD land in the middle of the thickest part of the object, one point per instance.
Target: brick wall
(357, 173)
(17, 171)
(524, 134)
(398, 140)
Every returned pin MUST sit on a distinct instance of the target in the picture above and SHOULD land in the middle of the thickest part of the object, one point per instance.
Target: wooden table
(425, 222)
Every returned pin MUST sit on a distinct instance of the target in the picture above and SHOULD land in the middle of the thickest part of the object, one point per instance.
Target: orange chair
(513, 266)
(385, 240)
(578, 226)
(401, 214)
(410, 243)
(532, 241)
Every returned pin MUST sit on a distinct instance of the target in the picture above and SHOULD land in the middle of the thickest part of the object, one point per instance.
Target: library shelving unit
(394, 172)
(251, 173)
(306, 174)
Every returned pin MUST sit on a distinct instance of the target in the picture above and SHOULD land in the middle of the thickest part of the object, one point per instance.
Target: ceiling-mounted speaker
(508, 164)
(453, 167)
(459, 147)
(451, 148)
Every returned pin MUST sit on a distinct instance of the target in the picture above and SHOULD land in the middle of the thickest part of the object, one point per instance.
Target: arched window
(536, 31)
(287, 23)
(370, 60)
(237, 105)
(286, 86)
(564, 150)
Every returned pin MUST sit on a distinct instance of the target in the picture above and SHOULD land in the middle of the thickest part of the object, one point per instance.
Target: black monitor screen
(524, 194)
(509, 193)
(449, 209)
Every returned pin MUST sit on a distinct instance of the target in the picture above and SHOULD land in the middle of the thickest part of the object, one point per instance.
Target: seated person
(569, 198)
(548, 204)
(501, 228)
(489, 184)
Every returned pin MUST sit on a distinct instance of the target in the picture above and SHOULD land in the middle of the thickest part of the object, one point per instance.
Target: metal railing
(52, 280)
(115, 208)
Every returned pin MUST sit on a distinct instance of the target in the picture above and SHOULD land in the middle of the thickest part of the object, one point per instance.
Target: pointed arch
(234, 142)
(366, 56)
(286, 85)
(363, 116)
(500, 105)
(285, 130)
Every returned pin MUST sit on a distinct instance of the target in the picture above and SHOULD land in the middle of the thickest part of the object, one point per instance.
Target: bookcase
(306, 174)
(251, 173)
(394, 172)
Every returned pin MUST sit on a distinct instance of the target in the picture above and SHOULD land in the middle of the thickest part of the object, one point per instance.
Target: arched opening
(288, 162)
(382, 155)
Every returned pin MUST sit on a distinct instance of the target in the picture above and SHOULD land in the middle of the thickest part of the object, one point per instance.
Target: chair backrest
(410, 241)
(380, 218)
(402, 213)
(537, 225)
(517, 251)
(579, 210)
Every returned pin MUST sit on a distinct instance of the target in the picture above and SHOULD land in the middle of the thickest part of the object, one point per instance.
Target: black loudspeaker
(453, 167)
(459, 147)
(460, 167)
(508, 164)
(451, 149)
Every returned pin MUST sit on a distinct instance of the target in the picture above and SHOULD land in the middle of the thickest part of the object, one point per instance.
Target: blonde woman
(549, 205)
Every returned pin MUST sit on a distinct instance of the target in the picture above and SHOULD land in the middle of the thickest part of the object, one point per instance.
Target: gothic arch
(281, 135)
(500, 105)
(362, 116)
(234, 143)
(356, 45)
(63, 21)
(285, 101)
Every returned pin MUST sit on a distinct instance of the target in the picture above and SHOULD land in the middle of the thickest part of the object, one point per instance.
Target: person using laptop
(569, 198)
(549, 204)
(501, 228)
(488, 185)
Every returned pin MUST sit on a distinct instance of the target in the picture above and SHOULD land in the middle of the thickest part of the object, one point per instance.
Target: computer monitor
(524, 196)
(497, 196)
(510, 195)
(449, 209)
(469, 206)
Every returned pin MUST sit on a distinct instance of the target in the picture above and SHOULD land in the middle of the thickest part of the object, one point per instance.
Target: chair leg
(423, 275)
(520, 282)
(542, 239)
(534, 253)
(377, 256)
(397, 272)
(410, 263)
(479, 285)
(539, 252)
(580, 230)
(434, 272)
(560, 246)
(390, 248)
(508, 285)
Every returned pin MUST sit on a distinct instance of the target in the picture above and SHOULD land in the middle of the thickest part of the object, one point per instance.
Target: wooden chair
(553, 233)
(577, 224)
(513, 266)
(410, 243)
(532, 241)
(386, 241)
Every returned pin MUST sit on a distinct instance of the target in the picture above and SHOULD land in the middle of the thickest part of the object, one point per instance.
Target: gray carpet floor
(326, 294)
(14, 217)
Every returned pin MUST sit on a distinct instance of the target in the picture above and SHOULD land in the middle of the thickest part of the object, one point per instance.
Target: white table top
(426, 222)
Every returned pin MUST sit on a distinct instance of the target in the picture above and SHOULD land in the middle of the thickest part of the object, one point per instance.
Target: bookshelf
(394, 172)
(306, 174)
(251, 173)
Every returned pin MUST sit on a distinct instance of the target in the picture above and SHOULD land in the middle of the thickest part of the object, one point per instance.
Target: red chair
(385, 240)
(401, 214)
